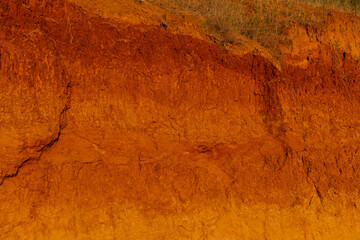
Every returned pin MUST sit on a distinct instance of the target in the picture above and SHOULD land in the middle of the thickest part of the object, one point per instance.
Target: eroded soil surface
(120, 121)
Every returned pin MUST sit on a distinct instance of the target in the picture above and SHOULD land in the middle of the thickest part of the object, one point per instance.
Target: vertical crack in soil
(62, 124)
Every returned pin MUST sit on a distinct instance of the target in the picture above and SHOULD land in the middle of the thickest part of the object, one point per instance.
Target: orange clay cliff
(119, 120)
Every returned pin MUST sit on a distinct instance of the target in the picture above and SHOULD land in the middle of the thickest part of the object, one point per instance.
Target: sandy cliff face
(115, 126)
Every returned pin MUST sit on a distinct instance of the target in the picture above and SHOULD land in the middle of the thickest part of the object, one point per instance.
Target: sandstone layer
(121, 121)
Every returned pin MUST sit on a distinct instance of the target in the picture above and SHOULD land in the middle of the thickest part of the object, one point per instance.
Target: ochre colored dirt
(120, 121)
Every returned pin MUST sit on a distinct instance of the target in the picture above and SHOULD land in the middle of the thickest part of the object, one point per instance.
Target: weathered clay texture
(113, 126)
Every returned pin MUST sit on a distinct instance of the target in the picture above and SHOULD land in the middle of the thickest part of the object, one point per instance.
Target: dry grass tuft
(264, 21)
(352, 6)
(225, 19)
